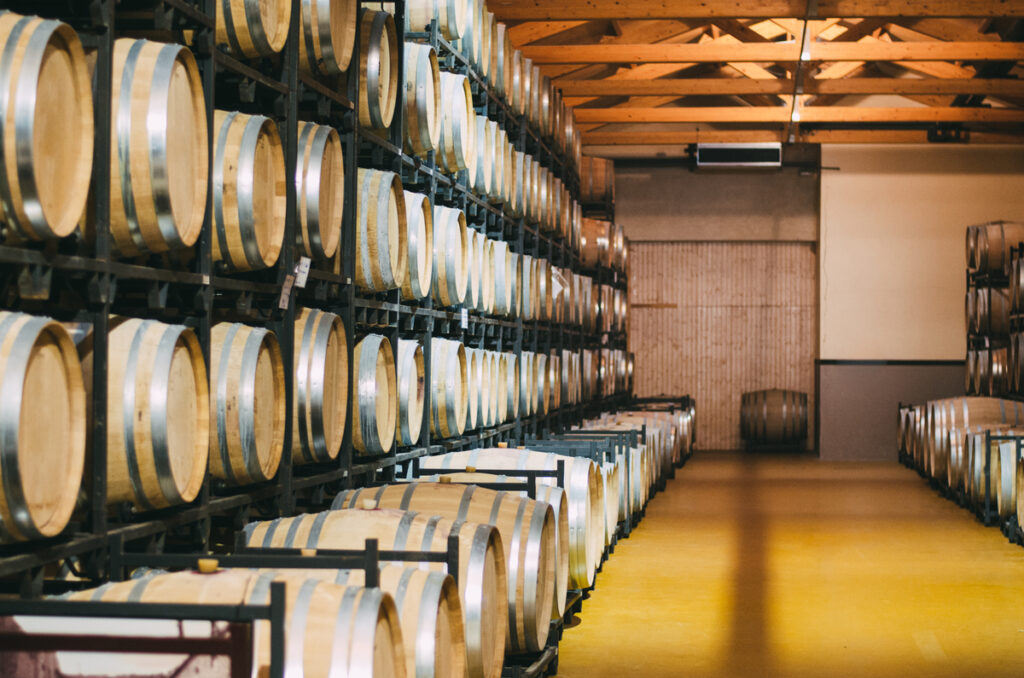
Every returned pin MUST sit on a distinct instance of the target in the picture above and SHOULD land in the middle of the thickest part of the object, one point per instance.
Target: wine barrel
(596, 243)
(253, 29)
(45, 149)
(776, 417)
(411, 391)
(327, 628)
(320, 404)
(988, 246)
(430, 613)
(482, 577)
(501, 60)
(992, 311)
(474, 285)
(1005, 490)
(499, 180)
(521, 74)
(378, 68)
(526, 383)
(451, 16)
(457, 145)
(611, 474)
(419, 215)
(422, 121)
(483, 180)
(381, 232)
(555, 379)
(582, 485)
(473, 373)
(487, 262)
(374, 395)
(451, 256)
(485, 394)
(319, 190)
(328, 36)
(158, 415)
(528, 286)
(597, 180)
(1019, 493)
(248, 191)
(529, 535)
(44, 426)
(158, 148)
(503, 278)
(449, 400)
(511, 388)
(1016, 286)
(942, 416)
(247, 404)
(541, 382)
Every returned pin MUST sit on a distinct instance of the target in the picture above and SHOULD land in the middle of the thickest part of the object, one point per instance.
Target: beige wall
(892, 244)
(669, 202)
(717, 319)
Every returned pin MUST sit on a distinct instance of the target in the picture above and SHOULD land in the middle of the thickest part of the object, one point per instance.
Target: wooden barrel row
(529, 532)
(482, 581)
(612, 309)
(329, 628)
(471, 388)
(988, 246)
(613, 371)
(988, 370)
(603, 243)
(584, 493)
(773, 417)
(987, 311)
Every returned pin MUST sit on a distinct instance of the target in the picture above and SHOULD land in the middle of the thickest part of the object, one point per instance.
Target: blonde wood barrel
(411, 391)
(597, 180)
(526, 386)
(247, 404)
(321, 380)
(511, 387)
(248, 191)
(474, 286)
(501, 60)
(499, 376)
(1019, 493)
(992, 246)
(473, 385)
(430, 613)
(422, 120)
(542, 382)
(529, 535)
(482, 578)
(158, 153)
(381, 232)
(582, 486)
(328, 35)
(374, 395)
(253, 28)
(158, 415)
(483, 180)
(522, 68)
(503, 278)
(451, 16)
(42, 459)
(449, 391)
(329, 629)
(457, 149)
(488, 262)
(46, 150)
(419, 215)
(1006, 487)
(319, 190)
(378, 68)
(596, 243)
(451, 256)
(555, 379)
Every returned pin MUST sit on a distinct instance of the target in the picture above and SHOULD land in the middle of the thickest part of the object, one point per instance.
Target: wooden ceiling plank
(953, 30)
(531, 31)
(578, 90)
(776, 52)
(814, 114)
(545, 10)
(634, 138)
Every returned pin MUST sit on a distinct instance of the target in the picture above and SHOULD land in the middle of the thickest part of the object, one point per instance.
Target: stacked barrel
(993, 362)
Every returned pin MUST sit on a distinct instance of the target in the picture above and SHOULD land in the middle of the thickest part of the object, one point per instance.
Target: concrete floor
(760, 566)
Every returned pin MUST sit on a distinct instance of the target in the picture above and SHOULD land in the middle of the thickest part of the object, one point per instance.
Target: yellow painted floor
(761, 566)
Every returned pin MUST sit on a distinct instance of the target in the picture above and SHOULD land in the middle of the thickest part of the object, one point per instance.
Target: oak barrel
(158, 414)
(411, 391)
(319, 190)
(158, 148)
(329, 630)
(419, 216)
(529, 534)
(328, 35)
(449, 391)
(482, 579)
(247, 404)
(451, 256)
(374, 395)
(320, 386)
(378, 68)
(253, 28)
(43, 423)
(457, 149)
(248, 191)
(988, 246)
(46, 127)
(381, 232)
(775, 417)
(422, 119)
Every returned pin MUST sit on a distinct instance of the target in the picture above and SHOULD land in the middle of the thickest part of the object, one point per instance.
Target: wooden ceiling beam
(781, 114)
(545, 10)
(776, 52)
(604, 138)
(531, 31)
(681, 87)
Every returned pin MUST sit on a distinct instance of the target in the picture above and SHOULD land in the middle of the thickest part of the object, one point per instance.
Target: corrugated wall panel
(718, 319)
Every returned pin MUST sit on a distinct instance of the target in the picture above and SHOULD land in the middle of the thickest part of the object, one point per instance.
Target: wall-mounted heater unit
(725, 156)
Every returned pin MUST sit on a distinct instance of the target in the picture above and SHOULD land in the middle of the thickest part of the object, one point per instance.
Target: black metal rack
(83, 280)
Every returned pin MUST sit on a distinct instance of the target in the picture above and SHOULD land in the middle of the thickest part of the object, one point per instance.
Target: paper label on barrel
(464, 319)
(302, 272)
(286, 292)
